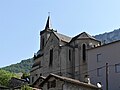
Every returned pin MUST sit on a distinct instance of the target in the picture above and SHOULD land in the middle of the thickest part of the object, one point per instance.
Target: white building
(97, 59)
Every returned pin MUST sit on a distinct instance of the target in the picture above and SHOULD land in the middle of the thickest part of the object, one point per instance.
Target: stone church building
(62, 55)
(81, 58)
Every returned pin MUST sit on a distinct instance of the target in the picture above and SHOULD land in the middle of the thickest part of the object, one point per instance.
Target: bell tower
(44, 34)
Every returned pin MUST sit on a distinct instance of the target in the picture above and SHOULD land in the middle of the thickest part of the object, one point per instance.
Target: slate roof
(83, 35)
(17, 83)
(73, 81)
(63, 37)
(36, 63)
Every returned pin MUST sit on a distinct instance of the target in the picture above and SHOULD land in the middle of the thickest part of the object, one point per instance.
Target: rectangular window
(42, 42)
(99, 72)
(32, 79)
(99, 57)
(40, 64)
(69, 55)
(51, 57)
(117, 68)
(84, 52)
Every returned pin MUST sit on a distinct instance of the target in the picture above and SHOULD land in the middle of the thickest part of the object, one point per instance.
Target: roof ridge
(88, 36)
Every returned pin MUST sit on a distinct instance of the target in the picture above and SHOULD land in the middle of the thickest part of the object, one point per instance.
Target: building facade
(62, 55)
(108, 75)
(77, 58)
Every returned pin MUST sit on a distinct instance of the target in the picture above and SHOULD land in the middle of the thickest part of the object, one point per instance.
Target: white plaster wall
(111, 55)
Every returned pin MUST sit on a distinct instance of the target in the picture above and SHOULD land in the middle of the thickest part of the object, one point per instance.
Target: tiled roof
(74, 81)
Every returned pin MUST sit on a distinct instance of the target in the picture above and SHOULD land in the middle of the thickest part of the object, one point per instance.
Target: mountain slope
(109, 37)
(23, 66)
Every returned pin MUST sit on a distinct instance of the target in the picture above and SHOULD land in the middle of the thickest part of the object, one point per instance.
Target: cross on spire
(49, 14)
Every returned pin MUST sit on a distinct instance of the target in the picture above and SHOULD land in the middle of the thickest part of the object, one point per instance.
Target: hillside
(23, 66)
(109, 37)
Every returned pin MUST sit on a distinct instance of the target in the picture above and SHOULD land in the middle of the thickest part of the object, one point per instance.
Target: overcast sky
(22, 20)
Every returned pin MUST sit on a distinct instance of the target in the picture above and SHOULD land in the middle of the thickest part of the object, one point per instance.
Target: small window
(99, 72)
(40, 64)
(32, 79)
(40, 74)
(36, 75)
(99, 57)
(69, 55)
(117, 68)
(51, 84)
(43, 42)
(51, 57)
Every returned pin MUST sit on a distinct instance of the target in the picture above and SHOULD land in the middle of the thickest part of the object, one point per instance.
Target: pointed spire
(47, 23)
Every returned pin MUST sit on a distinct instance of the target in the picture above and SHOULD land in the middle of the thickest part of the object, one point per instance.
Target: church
(69, 57)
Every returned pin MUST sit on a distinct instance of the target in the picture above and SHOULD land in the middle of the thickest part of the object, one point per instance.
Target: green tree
(5, 76)
(26, 76)
(26, 87)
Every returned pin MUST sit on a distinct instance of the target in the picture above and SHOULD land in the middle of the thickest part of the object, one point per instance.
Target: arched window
(84, 52)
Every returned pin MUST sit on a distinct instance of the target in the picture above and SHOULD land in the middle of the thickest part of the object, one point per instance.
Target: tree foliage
(5, 76)
(26, 76)
(26, 87)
